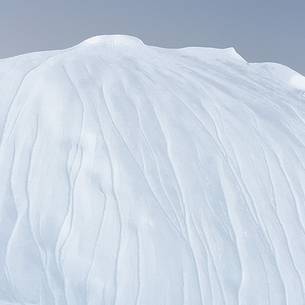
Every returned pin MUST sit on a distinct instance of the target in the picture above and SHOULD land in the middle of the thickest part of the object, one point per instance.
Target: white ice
(136, 175)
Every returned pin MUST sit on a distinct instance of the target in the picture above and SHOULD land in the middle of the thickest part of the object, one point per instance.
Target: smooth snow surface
(135, 175)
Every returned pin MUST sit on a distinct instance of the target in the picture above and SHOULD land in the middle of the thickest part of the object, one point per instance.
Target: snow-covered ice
(137, 175)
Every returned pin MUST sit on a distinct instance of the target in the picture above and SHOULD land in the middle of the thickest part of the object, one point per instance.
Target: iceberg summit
(138, 175)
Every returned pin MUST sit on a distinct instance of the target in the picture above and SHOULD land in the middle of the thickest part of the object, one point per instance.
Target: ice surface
(136, 175)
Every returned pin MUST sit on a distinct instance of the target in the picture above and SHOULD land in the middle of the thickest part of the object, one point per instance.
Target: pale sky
(262, 30)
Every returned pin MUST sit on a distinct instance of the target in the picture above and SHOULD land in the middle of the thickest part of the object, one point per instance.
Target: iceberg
(139, 175)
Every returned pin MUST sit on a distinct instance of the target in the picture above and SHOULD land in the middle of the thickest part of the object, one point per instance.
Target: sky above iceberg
(259, 30)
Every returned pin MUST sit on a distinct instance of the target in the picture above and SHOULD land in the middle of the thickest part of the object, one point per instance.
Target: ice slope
(135, 175)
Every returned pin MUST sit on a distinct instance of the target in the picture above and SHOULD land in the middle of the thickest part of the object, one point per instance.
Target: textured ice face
(139, 175)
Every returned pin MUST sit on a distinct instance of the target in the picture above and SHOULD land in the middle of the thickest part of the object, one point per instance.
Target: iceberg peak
(115, 40)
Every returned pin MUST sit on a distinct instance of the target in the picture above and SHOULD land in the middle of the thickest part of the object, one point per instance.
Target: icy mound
(135, 175)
